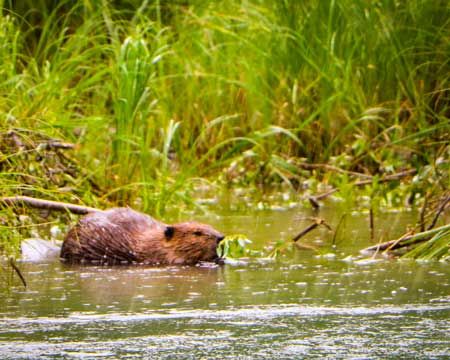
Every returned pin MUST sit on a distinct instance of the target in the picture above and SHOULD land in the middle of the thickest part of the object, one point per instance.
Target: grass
(157, 95)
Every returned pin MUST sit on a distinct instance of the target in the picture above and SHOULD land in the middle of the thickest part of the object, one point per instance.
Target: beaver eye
(198, 233)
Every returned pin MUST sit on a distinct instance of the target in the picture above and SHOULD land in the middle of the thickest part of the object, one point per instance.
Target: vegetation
(160, 98)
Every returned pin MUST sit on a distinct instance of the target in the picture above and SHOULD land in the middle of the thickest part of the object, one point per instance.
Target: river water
(303, 305)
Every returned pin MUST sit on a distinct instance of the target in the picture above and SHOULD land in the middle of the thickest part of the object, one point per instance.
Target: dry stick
(316, 223)
(441, 208)
(55, 144)
(314, 199)
(48, 204)
(17, 270)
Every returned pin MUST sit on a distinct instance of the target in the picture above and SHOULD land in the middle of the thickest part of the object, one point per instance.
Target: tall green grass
(157, 93)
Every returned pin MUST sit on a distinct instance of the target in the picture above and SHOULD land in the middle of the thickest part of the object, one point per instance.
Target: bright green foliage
(233, 246)
(438, 247)
(157, 94)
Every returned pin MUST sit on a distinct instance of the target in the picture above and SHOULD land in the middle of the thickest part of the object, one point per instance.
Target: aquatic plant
(234, 246)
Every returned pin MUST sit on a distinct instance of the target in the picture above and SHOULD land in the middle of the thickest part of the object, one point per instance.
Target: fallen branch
(440, 210)
(314, 200)
(405, 240)
(307, 166)
(47, 204)
(316, 223)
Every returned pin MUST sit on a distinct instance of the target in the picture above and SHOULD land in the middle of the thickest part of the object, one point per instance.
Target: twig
(56, 144)
(48, 204)
(441, 208)
(316, 223)
(388, 178)
(17, 270)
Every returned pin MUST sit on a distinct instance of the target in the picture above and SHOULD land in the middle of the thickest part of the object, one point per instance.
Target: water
(301, 306)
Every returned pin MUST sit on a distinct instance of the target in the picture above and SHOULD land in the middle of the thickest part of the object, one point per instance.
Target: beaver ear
(168, 233)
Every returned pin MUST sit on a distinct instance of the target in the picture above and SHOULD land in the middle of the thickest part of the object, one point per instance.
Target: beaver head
(191, 242)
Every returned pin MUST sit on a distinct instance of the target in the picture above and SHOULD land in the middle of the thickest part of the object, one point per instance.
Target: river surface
(303, 305)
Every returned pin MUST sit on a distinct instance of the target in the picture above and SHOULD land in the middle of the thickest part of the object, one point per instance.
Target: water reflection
(301, 306)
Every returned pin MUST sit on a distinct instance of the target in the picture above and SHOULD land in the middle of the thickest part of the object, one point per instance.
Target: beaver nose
(220, 238)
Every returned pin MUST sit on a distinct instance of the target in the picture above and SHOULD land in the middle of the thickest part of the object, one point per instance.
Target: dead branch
(314, 200)
(47, 204)
(405, 240)
(307, 166)
(440, 210)
(316, 223)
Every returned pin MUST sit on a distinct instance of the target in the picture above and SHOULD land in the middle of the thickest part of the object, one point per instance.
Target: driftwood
(314, 200)
(47, 204)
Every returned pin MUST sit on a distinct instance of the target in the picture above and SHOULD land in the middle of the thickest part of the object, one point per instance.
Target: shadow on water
(301, 306)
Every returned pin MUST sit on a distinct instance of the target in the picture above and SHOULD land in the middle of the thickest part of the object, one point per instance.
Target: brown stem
(316, 223)
(423, 210)
(441, 208)
(372, 225)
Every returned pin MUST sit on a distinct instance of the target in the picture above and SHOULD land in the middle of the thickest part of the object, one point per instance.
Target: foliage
(158, 94)
(233, 246)
(438, 247)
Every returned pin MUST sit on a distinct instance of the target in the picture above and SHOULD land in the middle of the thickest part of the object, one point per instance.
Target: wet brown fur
(123, 236)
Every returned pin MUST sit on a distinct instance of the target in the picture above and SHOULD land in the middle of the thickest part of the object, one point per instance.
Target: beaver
(123, 236)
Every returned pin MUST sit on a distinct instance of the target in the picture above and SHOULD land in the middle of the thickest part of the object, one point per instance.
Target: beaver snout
(220, 238)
